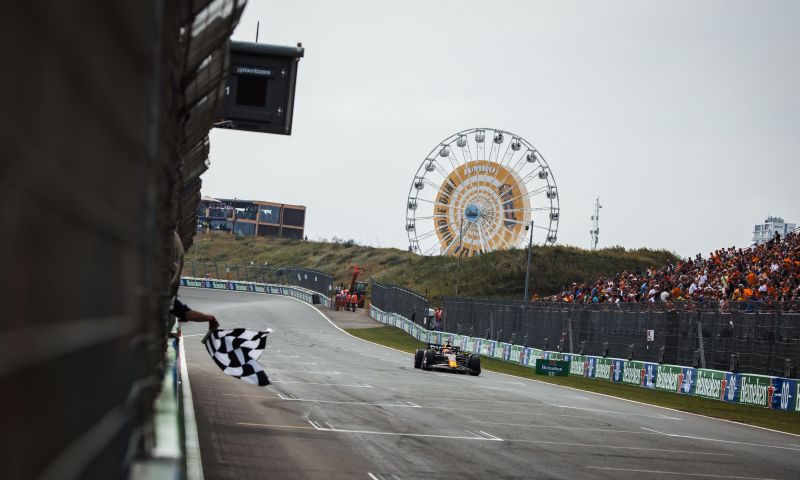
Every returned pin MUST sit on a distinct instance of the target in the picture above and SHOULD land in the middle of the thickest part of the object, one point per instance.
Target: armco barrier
(252, 287)
(776, 393)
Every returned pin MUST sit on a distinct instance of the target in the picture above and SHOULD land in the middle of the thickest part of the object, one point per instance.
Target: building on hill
(765, 231)
(251, 217)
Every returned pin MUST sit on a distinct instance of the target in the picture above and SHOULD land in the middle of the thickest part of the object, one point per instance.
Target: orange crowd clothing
(752, 279)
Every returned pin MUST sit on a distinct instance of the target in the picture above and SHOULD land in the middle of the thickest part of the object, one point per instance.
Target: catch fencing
(760, 342)
(307, 278)
(774, 392)
(400, 300)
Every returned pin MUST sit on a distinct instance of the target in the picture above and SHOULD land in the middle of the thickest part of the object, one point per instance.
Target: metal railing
(400, 300)
(307, 278)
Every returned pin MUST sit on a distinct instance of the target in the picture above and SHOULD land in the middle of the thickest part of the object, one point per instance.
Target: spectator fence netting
(760, 342)
(400, 300)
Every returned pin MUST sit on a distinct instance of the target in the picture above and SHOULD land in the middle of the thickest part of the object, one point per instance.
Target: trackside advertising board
(553, 368)
(617, 369)
(776, 393)
(676, 379)
(602, 368)
(643, 374)
(730, 387)
(797, 398)
(756, 390)
(577, 365)
(709, 384)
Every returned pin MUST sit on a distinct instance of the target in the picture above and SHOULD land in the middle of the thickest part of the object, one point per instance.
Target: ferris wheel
(478, 191)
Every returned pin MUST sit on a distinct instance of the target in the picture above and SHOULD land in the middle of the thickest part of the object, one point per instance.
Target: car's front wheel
(418, 358)
(428, 359)
(474, 364)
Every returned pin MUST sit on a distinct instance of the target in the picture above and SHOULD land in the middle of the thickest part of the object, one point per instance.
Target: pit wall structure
(776, 393)
(299, 293)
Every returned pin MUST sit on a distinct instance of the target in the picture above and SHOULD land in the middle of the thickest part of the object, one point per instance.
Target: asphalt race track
(341, 408)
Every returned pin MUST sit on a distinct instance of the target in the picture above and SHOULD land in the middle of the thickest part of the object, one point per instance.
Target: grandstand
(766, 275)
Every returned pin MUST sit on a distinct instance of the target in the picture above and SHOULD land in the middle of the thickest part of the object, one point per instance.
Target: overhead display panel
(259, 93)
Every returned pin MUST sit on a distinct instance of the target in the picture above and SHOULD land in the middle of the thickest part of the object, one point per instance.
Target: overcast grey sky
(683, 117)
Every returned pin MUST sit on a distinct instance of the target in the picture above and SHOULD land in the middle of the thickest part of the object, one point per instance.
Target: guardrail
(307, 278)
(300, 293)
(777, 393)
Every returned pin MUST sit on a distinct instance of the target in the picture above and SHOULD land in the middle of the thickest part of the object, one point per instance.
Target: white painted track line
(194, 463)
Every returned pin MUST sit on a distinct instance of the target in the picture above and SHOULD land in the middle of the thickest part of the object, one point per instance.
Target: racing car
(447, 357)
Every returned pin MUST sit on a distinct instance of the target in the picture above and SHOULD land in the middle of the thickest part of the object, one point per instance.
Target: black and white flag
(236, 351)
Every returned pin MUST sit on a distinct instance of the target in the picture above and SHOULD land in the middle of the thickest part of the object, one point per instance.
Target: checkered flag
(236, 351)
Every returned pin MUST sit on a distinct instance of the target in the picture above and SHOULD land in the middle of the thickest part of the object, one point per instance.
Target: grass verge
(776, 420)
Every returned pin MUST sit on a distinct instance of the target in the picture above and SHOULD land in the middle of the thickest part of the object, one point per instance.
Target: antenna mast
(595, 231)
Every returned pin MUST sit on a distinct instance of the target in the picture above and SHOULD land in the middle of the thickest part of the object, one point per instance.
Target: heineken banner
(553, 355)
(487, 348)
(632, 373)
(502, 351)
(756, 390)
(515, 354)
(676, 379)
(643, 374)
(797, 398)
(193, 282)
(667, 377)
(535, 354)
(602, 368)
(505, 349)
(577, 365)
(709, 384)
(553, 368)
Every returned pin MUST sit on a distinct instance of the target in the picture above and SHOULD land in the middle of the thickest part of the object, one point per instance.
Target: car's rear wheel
(427, 360)
(474, 364)
(418, 358)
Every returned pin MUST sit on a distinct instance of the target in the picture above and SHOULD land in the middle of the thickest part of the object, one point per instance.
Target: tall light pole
(525, 297)
(595, 231)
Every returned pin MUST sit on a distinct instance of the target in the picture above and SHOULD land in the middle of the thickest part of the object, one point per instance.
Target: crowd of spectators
(762, 275)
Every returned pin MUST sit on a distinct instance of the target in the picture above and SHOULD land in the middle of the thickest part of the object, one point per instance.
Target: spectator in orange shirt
(747, 293)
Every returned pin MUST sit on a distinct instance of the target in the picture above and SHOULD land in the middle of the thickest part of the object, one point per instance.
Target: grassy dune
(497, 274)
